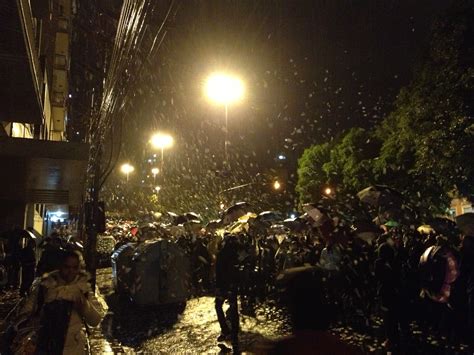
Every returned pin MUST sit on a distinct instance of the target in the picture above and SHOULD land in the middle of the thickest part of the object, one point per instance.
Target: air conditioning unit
(62, 44)
(59, 114)
(60, 80)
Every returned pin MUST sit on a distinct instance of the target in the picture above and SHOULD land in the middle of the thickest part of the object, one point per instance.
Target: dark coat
(227, 266)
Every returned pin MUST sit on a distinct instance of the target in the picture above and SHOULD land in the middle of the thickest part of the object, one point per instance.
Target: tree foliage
(424, 148)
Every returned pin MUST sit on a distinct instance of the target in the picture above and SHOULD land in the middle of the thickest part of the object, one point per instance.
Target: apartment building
(42, 172)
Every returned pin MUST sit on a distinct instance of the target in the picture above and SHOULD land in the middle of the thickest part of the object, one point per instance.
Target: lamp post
(127, 169)
(277, 185)
(161, 141)
(155, 172)
(224, 89)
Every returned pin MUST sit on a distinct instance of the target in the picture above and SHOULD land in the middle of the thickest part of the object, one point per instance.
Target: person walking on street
(51, 255)
(227, 285)
(388, 275)
(66, 307)
(28, 264)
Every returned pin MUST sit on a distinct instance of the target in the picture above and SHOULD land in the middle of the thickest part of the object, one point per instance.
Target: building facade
(42, 172)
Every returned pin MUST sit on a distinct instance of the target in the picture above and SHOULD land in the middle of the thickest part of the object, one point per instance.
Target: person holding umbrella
(465, 223)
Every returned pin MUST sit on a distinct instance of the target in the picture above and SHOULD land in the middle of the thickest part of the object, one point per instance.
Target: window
(467, 209)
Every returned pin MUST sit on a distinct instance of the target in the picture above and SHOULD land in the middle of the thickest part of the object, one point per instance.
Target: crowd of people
(353, 272)
(395, 271)
(57, 303)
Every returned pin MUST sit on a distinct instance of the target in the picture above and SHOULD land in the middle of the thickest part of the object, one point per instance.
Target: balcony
(20, 70)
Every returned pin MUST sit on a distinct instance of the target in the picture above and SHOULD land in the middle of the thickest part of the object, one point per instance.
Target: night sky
(312, 69)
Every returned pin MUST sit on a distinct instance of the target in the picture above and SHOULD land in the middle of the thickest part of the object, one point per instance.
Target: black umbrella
(380, 196)
(444, 226)
(234, 212)
(269, 216)
(296, 224)
(193, 216)
(465, 223)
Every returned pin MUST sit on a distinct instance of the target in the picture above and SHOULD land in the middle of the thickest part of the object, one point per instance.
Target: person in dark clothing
(202, 260)
(28, 264)
(311, 316)
(51, 257)
(467, 279)
(13, 256)
(387, 272)
(227, 285)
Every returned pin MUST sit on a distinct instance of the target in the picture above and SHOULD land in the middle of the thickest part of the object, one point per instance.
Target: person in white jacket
(69, 283)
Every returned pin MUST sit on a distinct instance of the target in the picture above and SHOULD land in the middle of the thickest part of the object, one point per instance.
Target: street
(153, 330)
(130, 329)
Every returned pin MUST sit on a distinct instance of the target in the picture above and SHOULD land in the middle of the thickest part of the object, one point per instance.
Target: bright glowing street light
(127, 169)
(276, 185)
(328, 191)
(224, 89)
(162, 141)
(155, 172)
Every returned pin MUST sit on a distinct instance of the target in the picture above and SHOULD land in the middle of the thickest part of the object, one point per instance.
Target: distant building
(460, 206)
(42, 173)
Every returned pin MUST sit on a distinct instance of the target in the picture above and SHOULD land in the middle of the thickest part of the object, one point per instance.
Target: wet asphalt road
(131, 329)
(167, 330)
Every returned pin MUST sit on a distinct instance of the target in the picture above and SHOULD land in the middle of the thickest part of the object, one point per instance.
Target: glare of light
(127, 168)
(155, 171)
(161, 140)
(224, 89)
(56, 216)
(292, 215)
(328, 191)
(157, 188)
(276, 185)
(222, 206)
(281, 157)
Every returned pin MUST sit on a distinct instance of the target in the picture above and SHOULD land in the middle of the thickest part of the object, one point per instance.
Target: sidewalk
(97, 339)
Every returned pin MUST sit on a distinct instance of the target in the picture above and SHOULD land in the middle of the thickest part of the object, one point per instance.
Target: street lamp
(224, 89)
(276, 185)
(161, 141)
(155, 172)
(127, 169)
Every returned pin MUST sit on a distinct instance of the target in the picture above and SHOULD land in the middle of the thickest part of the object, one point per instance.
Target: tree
(428, 138)
(350, 167)
(424, 148)
(311, 176)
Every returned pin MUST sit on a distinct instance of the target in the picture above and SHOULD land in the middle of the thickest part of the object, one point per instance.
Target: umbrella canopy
(425, 229)
(270, 216)
(296, 224)
(193, 216)
(392, 224)
(193, 226)
(380, 196)
(465, 223)
(246, 217)
(234, 212)
(214, 224)
(366, 230)
(316, 214)
(444, 226)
